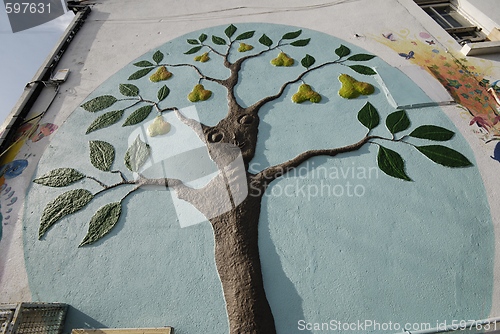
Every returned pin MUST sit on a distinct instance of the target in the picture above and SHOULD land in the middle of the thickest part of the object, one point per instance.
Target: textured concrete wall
(403, 252)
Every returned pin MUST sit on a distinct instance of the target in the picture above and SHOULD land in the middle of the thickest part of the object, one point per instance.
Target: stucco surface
(386, 250)
(414, 252)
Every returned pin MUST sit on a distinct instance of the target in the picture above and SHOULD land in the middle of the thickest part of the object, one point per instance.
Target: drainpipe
(33, 91)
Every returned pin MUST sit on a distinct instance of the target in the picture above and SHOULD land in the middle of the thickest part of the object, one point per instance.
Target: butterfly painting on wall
(409, 55)
(390, 36)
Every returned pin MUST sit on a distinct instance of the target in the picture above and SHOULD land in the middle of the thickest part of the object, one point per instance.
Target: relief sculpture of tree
(236, 135)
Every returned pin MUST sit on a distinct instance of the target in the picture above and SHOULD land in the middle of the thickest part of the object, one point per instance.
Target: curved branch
(197, 70)
(124, 179)
(227, 64)
(140, 182)
(166, 182)
(131, 192)
(105, 186)
(102, 184)
(116, 185)
(155, 104)
(137, 101)
(272, 173)
(256, 106)
(215, 51)
(235, 68)
(196, 126)
(243, 59)
(174, 184)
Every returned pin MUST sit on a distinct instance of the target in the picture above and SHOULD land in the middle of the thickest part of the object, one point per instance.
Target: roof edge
(44, 73)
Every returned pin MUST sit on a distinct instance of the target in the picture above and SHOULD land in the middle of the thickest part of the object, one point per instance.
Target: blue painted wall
(394, 251)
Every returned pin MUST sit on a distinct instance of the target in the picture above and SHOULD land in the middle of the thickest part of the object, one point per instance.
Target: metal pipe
(29, 97)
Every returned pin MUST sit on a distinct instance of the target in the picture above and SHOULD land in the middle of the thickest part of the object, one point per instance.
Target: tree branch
(116, 185)
(196, 126)
(166, 182)
(140, 182)
(243, 59)
(197, 70)
(232, 80)
(121, 174)
(97, 181)
(271, 173)
(215, 51)
(256, 106)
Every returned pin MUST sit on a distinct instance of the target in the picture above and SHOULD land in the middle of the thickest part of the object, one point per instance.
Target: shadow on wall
(76, 319)
(285, 301)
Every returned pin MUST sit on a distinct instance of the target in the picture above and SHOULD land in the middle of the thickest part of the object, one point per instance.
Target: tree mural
(233, 138)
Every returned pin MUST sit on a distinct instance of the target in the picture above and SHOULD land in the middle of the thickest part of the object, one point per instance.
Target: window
(449, 17)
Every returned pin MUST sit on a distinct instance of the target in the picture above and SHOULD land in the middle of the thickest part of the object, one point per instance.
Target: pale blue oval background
(401, 252)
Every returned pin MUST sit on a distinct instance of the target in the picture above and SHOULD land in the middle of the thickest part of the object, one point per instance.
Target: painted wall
(405, 252)
(485, 12)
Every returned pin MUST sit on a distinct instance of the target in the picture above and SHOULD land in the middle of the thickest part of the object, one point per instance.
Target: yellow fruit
(352, 88)
(306, 93)
(202, 58)
(282, 60)
(199, 93)
(244, 47)
(161, 74)
(159, 127)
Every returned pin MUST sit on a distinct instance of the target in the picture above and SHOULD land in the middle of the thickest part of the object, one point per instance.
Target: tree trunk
(238, 264)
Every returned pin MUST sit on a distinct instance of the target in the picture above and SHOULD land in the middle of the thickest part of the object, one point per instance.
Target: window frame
(467, 32)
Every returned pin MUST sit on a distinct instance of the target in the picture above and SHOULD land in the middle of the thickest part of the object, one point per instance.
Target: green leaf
(136, 155)
(193, 41)
(105, 120)
(218, 40)
(432, 132)
(163, 93)
(202, 38)
(444, 156)
(99, 103)
(193, 50)
(368, 116)
(292, 35)
(60, 177)
(361, 57)
(158, 57)
(102, 222)
(308, 61)
(361, 69)
(102, 155)
(138, 116)
(391, 163)
(397, 121)
(342, 51)
(64, 204)
(129, 90)
(144, 63)
(245, 35)
(230, 31)
(264, 40)
(139, 74)
(301, 42)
